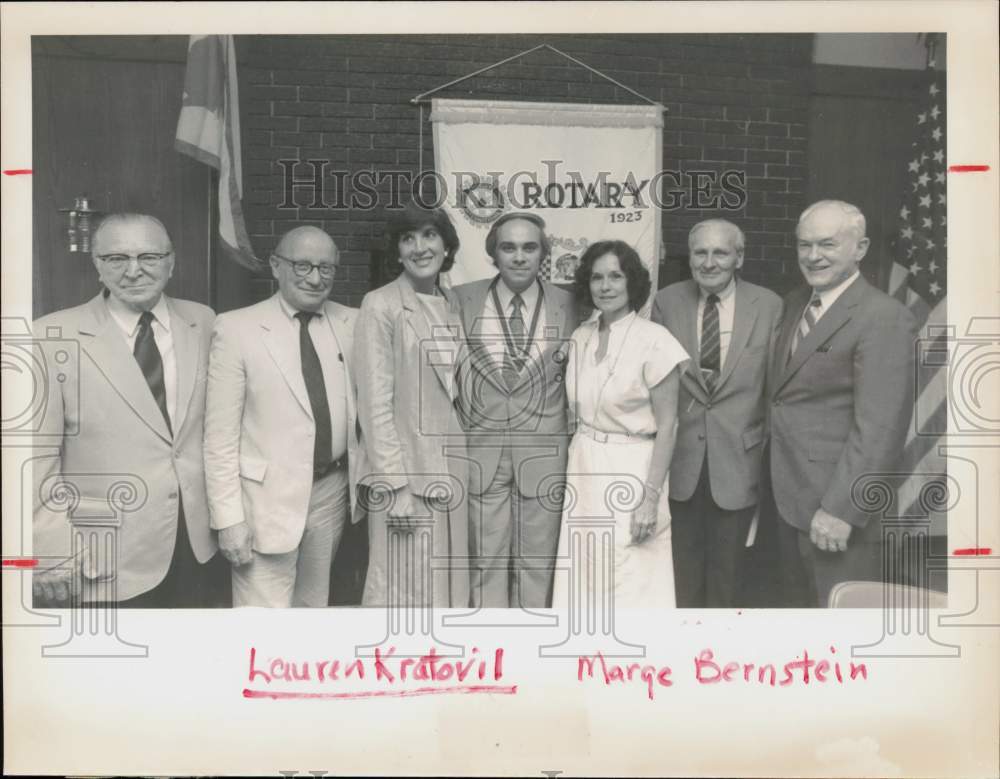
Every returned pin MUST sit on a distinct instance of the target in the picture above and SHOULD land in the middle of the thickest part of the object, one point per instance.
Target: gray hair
(852, 214)
(739, 241)
(127, 217)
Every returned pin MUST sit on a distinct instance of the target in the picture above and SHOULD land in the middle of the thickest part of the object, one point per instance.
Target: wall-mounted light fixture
(81, 220)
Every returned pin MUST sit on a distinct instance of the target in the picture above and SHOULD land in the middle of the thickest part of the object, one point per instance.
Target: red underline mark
(472, 689)
(20, 562)
(976, 551)
(18, 172)
(968, 168)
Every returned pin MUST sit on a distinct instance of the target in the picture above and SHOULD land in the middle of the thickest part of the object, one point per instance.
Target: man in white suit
(280, 430)
(131, 409)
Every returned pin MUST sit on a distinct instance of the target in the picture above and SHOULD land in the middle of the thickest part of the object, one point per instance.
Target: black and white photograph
(584, 386)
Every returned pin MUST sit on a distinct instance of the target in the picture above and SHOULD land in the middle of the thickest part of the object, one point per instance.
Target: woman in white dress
(622, 383)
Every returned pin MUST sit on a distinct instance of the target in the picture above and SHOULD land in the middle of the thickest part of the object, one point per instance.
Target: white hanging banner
(585, 169)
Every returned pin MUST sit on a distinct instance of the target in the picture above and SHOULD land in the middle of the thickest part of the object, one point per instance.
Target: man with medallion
(512, 401)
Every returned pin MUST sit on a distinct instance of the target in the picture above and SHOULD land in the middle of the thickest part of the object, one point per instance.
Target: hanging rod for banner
(424, 97)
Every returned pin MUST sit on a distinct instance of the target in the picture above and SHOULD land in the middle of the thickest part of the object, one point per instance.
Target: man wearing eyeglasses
(131, 410)
(280, 429)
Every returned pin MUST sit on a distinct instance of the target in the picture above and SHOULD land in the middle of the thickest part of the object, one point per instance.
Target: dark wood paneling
(861, 122)
(105, 128)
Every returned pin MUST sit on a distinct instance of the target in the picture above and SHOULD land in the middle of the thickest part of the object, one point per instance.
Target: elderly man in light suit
(280, 430)
(132, 407)
(841, 401)
(513, 402)
(730, 325)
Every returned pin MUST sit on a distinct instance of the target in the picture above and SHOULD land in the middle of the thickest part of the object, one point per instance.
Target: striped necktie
(148, 356)
(809, 318)
(514, 362)
(711, 349)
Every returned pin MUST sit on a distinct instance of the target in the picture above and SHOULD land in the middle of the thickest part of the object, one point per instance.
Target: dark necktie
(711, 348)
(809, 318)
(312, 372)
(514, 362)
(151, 364)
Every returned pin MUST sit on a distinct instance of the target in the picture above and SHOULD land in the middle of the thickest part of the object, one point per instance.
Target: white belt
(614, 438)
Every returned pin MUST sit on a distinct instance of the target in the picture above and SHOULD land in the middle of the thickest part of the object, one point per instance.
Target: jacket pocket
(752, 436)
(825, 452)
(253, 468)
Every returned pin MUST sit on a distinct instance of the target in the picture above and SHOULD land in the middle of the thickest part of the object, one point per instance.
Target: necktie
(514, 362)
(711, 349)
(312, 372)
(807, 323)
(148, 356)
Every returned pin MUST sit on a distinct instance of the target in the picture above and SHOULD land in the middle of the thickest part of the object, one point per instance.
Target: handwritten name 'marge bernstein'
(801, 670)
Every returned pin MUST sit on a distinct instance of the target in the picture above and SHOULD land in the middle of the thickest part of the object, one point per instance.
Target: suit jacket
(410, 432)
(259, 428)
(534, 414)
(104, 425)
(841, 406)
(729, 424)
(405, 409)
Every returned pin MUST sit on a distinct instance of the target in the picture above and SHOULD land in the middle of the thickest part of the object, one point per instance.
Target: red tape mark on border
(481, 688)
(18, 172)
(968, 168)
(20, 562)
(975, 551)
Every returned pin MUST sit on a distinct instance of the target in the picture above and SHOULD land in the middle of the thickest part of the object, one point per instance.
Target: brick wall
(734, 102)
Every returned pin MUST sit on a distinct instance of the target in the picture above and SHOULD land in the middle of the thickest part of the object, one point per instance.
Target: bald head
(306, 238)
(304, 263)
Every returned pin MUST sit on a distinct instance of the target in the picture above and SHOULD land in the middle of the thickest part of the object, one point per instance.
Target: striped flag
(208, 129)
(918, 279)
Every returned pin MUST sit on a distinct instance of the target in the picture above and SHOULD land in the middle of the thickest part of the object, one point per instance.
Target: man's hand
(644, 518)
(236, 544)
(829, 533)
(402, 508)
(53, 586)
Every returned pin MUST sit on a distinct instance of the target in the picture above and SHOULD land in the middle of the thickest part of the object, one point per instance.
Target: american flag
(918, 279)
(208, 129)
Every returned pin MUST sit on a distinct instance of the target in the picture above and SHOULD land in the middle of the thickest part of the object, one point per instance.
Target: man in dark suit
(132, 408)
(728, 326)
(841, 402)
(513, 402)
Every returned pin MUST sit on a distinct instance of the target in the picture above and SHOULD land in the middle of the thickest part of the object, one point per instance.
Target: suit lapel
(187, 355)
(342, 334)
(103, 342)
(744, 317)
(839, 314)
(417, 321)
(473, 311)
(281, 341)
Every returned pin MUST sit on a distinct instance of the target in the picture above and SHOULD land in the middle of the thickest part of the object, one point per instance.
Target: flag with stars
(208, 129)
(919, 280)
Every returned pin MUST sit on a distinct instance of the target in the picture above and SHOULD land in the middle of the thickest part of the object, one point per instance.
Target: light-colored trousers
(511, 536)
(300, 577)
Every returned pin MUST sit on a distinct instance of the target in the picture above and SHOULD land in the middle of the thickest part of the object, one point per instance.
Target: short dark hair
(639, 282)
(537, 221)
(412, 217)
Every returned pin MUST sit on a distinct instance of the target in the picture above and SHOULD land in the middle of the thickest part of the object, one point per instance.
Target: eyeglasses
(301, 268)
(146, 260)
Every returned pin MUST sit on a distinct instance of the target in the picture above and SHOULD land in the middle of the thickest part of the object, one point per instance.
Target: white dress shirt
(727, 310)
(128, 322)
(332, 362)
(828, 297)
(491, 329)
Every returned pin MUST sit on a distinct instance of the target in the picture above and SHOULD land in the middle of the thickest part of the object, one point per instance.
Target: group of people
(480, 430)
